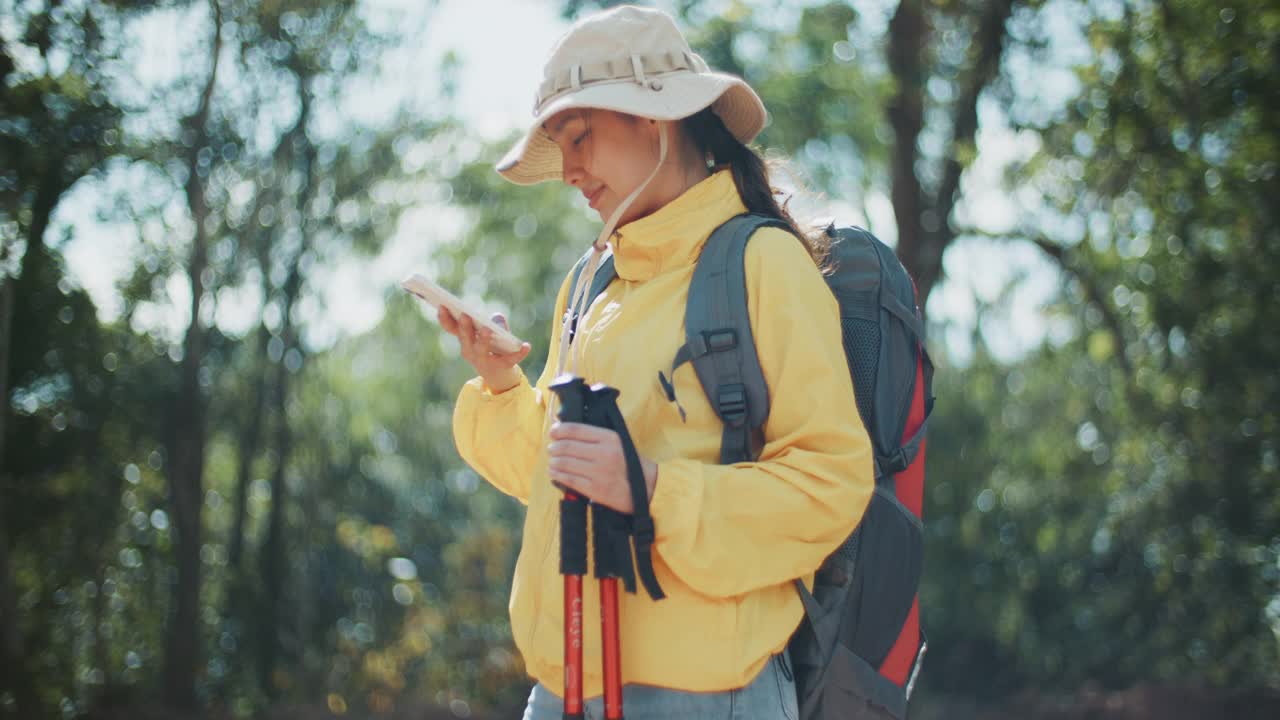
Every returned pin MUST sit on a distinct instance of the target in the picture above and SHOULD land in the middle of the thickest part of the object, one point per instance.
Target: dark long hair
(751, 175)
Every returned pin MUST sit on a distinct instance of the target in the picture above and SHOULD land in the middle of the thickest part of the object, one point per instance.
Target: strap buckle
(721, 340)
(710, 341)
(731, 403)
(898, 461)
(893, 463)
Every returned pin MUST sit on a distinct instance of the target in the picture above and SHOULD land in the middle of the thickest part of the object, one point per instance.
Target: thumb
(500, 319)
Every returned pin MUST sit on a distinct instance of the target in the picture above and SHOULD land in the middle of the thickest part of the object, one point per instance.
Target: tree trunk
(273, 560)
(11, 642)
(101, 653)
(273, 554)
(185, 464)
(10, 633)
(12, 645)
(908, 36)
(923, 216)
(96, 538)
(237, 602)
(248, 451)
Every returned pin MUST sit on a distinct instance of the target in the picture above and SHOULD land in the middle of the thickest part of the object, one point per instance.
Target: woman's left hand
(589, 461)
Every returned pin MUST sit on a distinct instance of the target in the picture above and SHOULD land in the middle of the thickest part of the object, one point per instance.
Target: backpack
(858, 651)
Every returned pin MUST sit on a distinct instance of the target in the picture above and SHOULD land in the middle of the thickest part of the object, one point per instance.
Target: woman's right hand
(498, 369)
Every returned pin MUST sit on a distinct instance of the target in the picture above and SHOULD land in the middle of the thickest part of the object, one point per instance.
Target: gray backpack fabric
(863, 592)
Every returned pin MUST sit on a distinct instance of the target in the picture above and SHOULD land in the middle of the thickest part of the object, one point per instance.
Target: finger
(484, 339)
(579, 431)
(579, 484)
(514, 357)
(574, 466)
(467, 334)
(447, 320)
(593, 491)
(574, 449)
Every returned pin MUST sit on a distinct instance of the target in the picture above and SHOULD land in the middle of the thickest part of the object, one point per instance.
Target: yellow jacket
(730, 538)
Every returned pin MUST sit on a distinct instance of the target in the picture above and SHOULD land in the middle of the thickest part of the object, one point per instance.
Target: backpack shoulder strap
(719, 342)
(604, 275)
(897, 298)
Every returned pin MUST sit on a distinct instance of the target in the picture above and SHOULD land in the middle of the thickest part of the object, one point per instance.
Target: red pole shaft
(572, 642)
(612, 648)
(573, 646)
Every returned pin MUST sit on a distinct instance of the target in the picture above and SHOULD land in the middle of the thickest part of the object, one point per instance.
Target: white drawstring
(578, 300)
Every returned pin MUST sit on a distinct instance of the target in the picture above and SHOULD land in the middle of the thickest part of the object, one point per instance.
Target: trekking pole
(612, 561)
(614, 534)
(572, 392)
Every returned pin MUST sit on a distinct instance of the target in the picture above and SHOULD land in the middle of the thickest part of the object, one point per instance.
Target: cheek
(622, 168)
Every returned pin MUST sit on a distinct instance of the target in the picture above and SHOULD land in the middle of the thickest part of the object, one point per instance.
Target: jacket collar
(673, 235)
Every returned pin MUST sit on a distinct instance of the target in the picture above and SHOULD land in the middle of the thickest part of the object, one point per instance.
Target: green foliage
(811, 64)
(1100, 511)
(1114, 512)
(60, 121)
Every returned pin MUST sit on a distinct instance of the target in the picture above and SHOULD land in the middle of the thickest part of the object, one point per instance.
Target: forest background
(228, 486)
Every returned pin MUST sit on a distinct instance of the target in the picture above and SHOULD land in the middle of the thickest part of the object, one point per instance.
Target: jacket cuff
(488, 392)
(677, 498)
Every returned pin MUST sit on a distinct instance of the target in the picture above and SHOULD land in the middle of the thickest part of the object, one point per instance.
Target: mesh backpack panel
(862, 347)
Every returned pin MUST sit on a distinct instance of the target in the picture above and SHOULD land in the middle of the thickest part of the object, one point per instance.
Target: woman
(631, 118)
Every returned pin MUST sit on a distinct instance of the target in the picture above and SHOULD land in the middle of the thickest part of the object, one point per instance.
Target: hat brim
(536, 158)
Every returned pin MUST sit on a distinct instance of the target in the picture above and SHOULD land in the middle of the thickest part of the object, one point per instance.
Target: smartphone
(436, 296)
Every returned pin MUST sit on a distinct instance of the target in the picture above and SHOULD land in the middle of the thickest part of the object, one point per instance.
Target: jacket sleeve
(726, 530)
(500, 435)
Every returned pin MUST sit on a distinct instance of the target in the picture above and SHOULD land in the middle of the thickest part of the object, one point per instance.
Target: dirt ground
(1146, 702)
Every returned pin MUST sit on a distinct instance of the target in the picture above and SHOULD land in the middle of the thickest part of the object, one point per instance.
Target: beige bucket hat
(632, 60)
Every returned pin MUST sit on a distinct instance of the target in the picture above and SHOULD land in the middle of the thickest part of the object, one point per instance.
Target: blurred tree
(310, 197)
(1124, 475)
(61, 126)
(186, 442)
(288, 202)
(967, 60)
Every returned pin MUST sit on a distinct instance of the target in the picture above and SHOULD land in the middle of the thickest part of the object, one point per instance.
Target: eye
(578, 140)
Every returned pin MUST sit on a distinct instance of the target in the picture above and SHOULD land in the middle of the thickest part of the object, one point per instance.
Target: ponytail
(751, 175)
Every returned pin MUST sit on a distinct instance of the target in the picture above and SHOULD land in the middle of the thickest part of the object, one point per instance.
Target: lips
(595, 196)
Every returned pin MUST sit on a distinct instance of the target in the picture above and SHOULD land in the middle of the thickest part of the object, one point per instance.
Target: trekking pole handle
(573, 394)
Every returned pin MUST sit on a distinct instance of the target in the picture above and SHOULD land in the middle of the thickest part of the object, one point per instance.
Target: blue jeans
(770, 696)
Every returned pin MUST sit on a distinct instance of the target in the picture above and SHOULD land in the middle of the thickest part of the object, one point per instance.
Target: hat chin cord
(578, 295)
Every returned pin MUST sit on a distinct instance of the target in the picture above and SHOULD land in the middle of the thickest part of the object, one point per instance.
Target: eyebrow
(559, 124)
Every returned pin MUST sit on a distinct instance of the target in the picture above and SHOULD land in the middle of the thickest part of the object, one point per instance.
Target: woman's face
(606, 155)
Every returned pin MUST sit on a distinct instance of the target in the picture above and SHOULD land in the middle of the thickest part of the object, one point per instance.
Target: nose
(571, 170)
